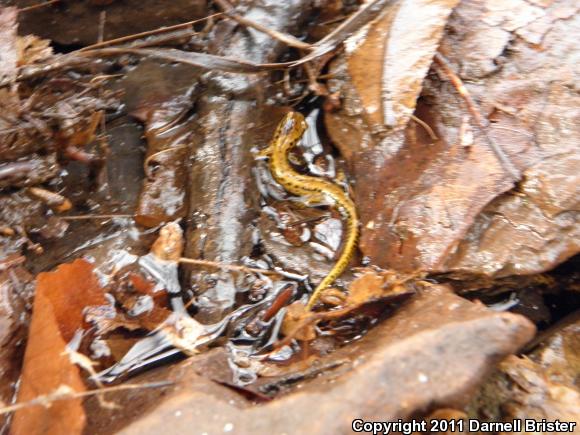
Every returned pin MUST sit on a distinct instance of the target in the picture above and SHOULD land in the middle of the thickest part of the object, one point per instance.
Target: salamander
(313, 191)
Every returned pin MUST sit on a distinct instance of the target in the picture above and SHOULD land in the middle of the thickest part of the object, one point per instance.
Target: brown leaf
(169, 245)
(57, 314)
(373, 286)
(534, 118)
(387, 62)
(32, 49)
(365, 14)
(366, 288)
(439, 205)
(296, 322)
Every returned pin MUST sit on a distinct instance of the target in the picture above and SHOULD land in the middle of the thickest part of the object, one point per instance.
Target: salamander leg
(315, 199)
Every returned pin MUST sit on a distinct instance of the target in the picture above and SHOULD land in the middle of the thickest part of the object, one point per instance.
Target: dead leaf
(432, 354)
(387, 62)
(32, 49)
(57, 314)
(373, 286)
(169, 245)
(296, 322)
(366, 288)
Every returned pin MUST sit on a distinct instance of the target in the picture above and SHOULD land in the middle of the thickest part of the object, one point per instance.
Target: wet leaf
(366, 13)
(57, 315)
(8, 51)
(297, 323)
(534, 119)
(373, 286)
(439, 205)
(156, 98)
(32, 49)
(387, 61)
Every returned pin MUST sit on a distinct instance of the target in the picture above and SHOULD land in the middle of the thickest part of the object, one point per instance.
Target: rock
(559, 351)
(433, 353)
(522, 390)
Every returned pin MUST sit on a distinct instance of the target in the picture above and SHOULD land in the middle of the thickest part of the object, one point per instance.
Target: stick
(282, 37)
(229, 266)
(123, 39)
(67, 394)
(38, 6)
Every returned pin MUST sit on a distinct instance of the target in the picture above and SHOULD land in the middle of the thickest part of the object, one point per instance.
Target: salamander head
(289, 131)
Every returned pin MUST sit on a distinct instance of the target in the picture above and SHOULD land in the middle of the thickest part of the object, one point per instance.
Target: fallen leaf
(373, 286)
(32, 49)
(387, 63)
(432, 354)
(296, 322)
(57, 315)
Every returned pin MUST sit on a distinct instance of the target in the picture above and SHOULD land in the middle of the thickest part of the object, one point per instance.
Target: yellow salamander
(313, 190)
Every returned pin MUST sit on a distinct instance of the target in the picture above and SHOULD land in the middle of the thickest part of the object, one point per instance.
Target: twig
(127, 38)
(38, 6)
(282, 37)
(229, 266)
(67, 394)
(102, 21)
(426, 126)
(446, 68)
(318, 88)
(326, 45)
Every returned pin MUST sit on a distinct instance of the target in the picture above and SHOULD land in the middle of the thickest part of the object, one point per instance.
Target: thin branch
(47, 399)
(232, 267)
(282, 37)
(326, 45)
(38, 6)
(426, 126)
(445, 67)
(147, 33)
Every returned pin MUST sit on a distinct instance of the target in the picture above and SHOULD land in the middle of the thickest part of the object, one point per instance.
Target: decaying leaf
(297, 322)
(57, 316)
(32, 49)
(388, 59)
(169, 245)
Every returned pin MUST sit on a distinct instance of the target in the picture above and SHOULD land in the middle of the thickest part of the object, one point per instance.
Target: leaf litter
(141, 318)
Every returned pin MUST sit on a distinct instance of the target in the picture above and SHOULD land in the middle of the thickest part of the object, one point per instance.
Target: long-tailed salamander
(313, 190)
